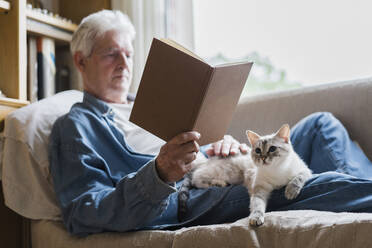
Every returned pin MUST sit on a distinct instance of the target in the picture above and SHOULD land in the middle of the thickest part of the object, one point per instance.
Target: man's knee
(313, 121)
(321, 117)
(326, 178)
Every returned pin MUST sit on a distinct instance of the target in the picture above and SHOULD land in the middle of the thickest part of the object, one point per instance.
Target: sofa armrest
(349, 101)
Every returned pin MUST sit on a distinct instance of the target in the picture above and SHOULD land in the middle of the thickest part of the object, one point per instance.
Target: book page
(231, 63)
(179, 47)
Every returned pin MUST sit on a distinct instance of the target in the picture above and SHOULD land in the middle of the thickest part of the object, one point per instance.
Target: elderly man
(111, 175)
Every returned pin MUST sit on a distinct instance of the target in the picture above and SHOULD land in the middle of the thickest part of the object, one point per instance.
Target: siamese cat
(270, 164)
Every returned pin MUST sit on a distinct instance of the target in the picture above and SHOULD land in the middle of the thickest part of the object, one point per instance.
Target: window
(293, 43)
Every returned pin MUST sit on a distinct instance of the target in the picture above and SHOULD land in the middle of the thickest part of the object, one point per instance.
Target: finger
(226, 145)
(185, 137)
(191, 146)
(189, 157)
(217, 148)
(243, 148)
(234, 148)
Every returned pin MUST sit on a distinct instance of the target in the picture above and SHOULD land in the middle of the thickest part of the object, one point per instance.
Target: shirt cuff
(151, 186)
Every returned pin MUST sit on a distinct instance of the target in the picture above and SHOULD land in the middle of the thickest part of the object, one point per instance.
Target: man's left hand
(227, 146)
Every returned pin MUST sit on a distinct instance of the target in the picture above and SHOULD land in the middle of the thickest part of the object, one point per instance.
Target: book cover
(31, 69)
(46, 69)
(180, 92)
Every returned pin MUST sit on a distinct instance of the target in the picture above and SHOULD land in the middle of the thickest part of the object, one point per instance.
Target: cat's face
(269, 150)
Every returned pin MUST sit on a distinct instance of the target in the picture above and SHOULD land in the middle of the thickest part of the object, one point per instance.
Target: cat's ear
(284, 133)
(252, 137)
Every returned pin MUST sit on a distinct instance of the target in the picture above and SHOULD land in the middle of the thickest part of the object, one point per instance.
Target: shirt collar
(101, 107)
(98, 106)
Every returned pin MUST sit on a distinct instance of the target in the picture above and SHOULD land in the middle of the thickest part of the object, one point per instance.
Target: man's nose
(123, 61)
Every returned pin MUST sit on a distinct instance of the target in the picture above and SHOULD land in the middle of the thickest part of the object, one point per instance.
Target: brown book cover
(180, 92)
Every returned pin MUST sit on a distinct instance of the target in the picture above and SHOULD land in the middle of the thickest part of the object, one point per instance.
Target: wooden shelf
(4, 6)
(8, 105)
(55, 22)
(41, 24)
(11, 102)
(43, 29)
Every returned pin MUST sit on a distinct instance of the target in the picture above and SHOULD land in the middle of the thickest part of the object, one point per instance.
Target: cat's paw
(292, 190)
(256, 218)
(218, 183)
(201, 183)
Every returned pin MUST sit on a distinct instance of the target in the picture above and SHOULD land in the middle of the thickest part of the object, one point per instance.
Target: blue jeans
(342, 179)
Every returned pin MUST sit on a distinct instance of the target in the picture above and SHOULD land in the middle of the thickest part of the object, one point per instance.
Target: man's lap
(327, 191)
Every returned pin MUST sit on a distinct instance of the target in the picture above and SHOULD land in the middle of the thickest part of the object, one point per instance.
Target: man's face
(107, 71)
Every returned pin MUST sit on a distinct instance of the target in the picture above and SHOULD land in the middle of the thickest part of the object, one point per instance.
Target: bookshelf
(19, 23)
(42, 18)
(48, 26)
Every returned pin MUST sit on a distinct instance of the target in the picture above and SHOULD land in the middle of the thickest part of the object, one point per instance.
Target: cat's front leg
(249, 179)
(258, 206)
(294, 187)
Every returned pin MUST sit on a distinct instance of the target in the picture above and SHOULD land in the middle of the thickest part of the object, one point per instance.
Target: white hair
(95, 25)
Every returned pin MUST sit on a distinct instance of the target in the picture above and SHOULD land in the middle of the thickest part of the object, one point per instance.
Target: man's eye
(258, 150)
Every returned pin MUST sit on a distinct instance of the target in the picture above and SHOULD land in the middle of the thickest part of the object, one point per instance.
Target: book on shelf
(46, 67)
(181, 92)
(31, 69)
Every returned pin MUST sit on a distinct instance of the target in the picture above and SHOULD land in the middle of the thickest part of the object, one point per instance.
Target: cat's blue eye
(258, 150)
(272, 149)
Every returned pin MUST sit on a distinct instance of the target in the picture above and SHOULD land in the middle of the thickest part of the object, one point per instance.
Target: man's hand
(175, 157)
(227, 146)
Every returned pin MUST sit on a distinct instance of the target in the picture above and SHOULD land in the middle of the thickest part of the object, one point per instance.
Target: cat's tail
(183, 196)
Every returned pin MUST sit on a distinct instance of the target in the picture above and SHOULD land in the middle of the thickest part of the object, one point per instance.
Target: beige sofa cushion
(301, 228)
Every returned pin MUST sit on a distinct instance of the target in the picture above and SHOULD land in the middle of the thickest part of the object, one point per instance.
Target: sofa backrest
(349, 101)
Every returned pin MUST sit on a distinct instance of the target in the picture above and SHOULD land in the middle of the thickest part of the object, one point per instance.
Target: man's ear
(79, 60)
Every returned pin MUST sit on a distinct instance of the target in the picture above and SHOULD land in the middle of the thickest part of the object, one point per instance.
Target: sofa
(349, 101)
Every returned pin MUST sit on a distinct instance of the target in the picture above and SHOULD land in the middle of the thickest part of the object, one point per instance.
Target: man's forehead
(113, 40)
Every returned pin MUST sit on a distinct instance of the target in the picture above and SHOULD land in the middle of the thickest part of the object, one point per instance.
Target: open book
(180, 92)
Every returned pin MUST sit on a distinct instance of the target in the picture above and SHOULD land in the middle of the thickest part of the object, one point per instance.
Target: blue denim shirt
(102, 184)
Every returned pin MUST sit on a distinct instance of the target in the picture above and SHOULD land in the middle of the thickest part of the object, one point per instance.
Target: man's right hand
(175, 157)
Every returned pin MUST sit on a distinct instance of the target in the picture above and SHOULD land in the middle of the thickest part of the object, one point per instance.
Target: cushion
(296, 228)
(26, 179)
